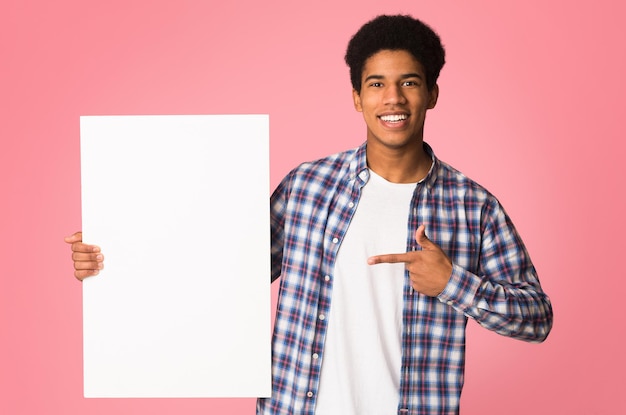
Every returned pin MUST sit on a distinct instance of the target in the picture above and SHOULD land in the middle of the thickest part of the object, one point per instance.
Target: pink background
(531, 106)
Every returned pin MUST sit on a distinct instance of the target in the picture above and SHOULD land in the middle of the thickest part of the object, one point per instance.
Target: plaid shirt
(493, 281)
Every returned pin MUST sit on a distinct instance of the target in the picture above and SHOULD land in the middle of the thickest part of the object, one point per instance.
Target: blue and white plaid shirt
(493, 281)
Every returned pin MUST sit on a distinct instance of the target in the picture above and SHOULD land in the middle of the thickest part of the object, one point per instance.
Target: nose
(394, 95)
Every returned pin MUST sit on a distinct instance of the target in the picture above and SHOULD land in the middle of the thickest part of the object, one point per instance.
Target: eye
(410, 83)
(376, 84)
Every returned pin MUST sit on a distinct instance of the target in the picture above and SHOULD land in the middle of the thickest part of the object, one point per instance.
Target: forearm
(515, 309)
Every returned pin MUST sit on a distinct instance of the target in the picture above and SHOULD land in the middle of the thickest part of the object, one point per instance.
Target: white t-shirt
(362, 353)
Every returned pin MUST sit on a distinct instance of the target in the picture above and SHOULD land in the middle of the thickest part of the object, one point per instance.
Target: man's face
(394, 99)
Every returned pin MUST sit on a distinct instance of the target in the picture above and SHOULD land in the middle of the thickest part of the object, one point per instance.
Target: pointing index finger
(388, 259)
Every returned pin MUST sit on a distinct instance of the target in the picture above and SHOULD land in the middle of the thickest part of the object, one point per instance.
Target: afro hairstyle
(397, 32)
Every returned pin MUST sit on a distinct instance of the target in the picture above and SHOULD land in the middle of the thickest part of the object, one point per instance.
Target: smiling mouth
(393, 118)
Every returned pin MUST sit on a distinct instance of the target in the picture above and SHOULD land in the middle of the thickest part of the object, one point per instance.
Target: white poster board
(180, 207)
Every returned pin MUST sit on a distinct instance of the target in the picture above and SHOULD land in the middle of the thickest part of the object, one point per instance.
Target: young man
(372, 312)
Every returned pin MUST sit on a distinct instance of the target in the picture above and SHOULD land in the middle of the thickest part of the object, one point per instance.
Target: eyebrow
(403, 76)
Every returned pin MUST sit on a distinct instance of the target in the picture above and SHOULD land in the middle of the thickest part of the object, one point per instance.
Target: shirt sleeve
(504, 295)
(278, 207)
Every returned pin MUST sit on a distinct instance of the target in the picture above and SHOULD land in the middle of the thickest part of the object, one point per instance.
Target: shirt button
(327, 278)
(335, 240)
(351, 204)
(316, 356)
(309, 394)
(450, 303)
(322, 317)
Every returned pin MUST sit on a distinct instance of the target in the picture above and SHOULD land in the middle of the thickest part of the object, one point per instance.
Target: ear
(433, 96)
(357, 101)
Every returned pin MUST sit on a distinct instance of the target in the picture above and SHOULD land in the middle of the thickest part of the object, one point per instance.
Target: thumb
(76, 237)
(421, 238)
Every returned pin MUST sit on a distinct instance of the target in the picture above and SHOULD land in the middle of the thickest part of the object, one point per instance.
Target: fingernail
(99, 257)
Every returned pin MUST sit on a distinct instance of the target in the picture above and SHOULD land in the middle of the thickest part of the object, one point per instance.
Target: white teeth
(393, 118)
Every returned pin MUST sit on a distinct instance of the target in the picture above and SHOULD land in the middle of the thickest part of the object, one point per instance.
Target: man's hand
(429, 269)
(88, 261)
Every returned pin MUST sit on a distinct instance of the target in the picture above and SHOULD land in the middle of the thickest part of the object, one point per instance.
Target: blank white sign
(180, 207)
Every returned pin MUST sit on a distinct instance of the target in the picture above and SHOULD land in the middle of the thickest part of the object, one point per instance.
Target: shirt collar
(358, 166)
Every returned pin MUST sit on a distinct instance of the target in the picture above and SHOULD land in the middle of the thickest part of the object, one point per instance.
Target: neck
(399, 165)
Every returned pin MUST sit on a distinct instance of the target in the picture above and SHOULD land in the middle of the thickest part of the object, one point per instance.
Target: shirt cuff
(460, 292)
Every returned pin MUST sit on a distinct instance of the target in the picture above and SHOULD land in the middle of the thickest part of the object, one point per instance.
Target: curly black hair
(397, 32)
